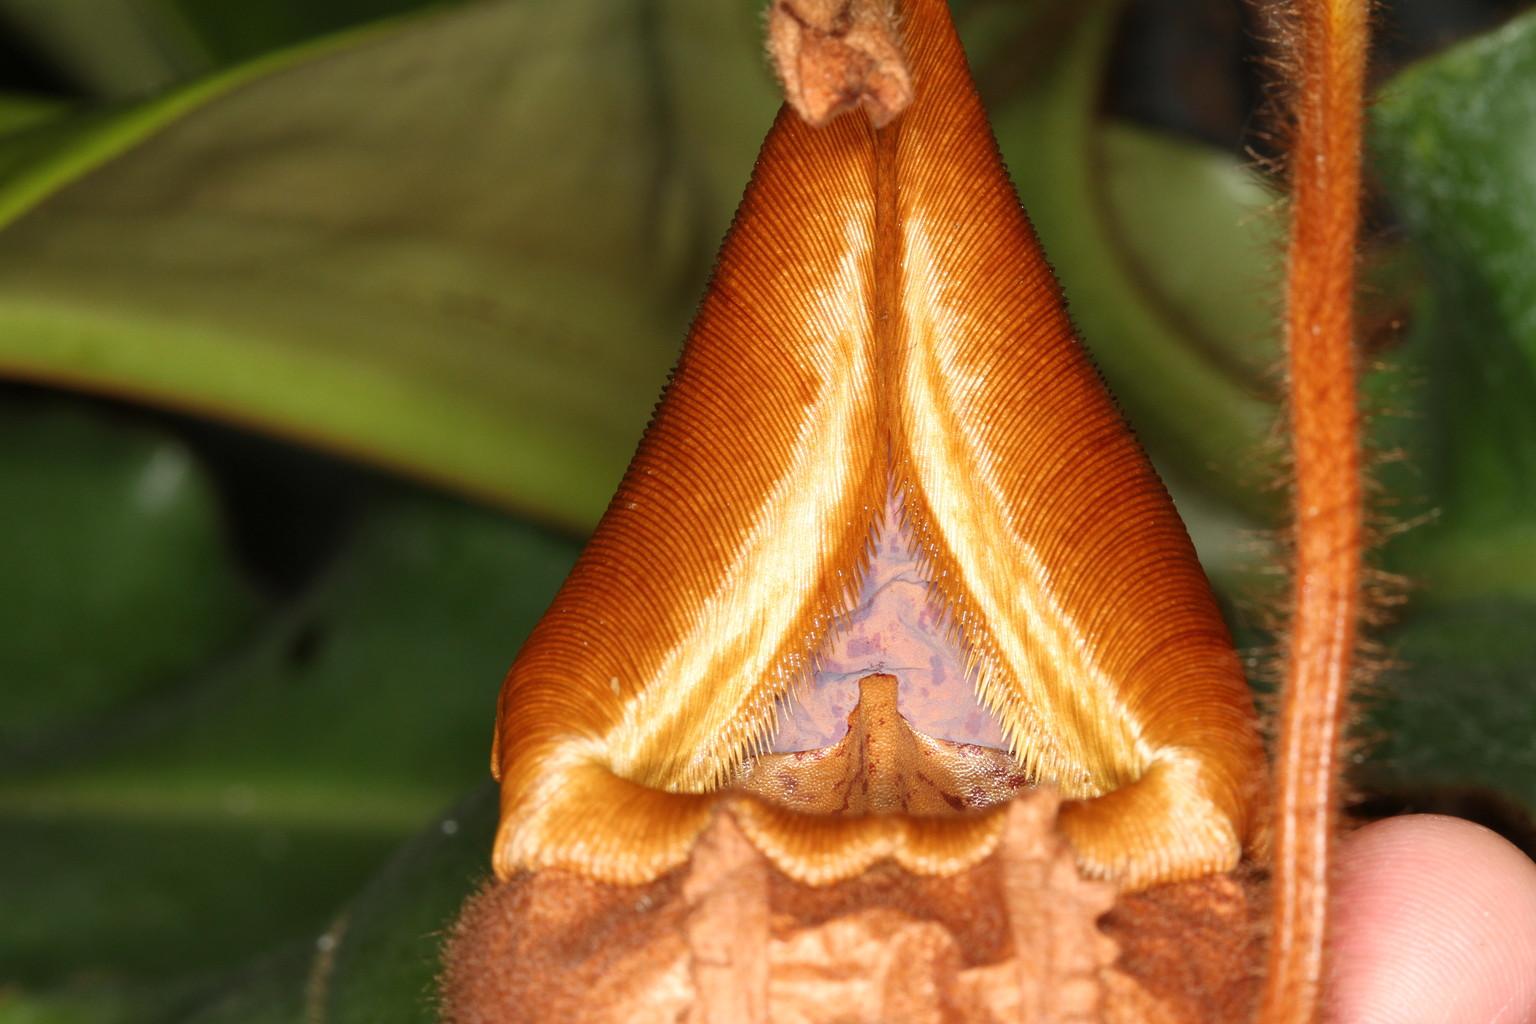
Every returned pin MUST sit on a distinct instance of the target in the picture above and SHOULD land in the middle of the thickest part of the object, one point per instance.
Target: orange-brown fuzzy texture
(728, 939)
(881, 321)
(834, 55)
(1321, 363)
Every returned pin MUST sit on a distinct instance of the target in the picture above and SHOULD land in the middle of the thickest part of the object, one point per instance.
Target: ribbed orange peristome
(881, 319)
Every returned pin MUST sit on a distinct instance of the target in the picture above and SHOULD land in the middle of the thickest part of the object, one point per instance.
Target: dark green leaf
(245, 808)
(376, 960)
(126, 49)
(1457, 711)
(385, 960)
(227, 33)
(1454, 138)
(116, 574)
(19, 112)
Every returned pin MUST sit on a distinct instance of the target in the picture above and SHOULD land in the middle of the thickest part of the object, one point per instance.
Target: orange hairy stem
(1319, 324)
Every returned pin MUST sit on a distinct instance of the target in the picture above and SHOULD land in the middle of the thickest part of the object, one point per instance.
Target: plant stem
(1319, 324)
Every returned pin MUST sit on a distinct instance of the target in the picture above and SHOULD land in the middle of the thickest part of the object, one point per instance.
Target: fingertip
(1434, 920)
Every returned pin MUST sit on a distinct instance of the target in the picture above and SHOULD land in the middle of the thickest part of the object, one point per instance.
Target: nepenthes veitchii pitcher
(889, 687)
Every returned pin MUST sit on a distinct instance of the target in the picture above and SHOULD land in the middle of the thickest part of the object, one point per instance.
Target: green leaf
(464, 245)
(228, 33)
(88, 1002)
(126, 49)
(1454, 137)
(1204, 236)
(19, 111)
(270, 991)
(244, 808)
(1198, 236)
(111, 48)
(117, 576)
(384, 964)
(376, 961)
(1457, 709)
(45, 154)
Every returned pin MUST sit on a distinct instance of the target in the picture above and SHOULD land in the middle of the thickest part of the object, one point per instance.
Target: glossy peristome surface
(882, 326)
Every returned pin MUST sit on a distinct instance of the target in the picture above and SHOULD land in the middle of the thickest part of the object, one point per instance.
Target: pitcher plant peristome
(882, 329)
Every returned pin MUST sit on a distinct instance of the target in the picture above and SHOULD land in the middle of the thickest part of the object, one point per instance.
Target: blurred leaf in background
(460, 242)
(1453, 142)
(128, 509)
(129, 49)
(283, 246)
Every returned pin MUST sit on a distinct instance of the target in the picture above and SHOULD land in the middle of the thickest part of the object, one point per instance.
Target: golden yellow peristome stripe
(881, 320)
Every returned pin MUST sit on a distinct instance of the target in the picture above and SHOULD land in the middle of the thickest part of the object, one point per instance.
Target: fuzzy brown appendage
(835, 55)
(730, 940)
(1197, 946)
(1321, 662)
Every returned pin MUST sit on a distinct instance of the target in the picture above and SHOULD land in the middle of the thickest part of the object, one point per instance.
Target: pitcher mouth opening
(900, 628)
(882, 765)
(889, 721)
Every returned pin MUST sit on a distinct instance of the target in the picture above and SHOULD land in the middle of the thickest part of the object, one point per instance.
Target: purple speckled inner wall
(896, 629)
